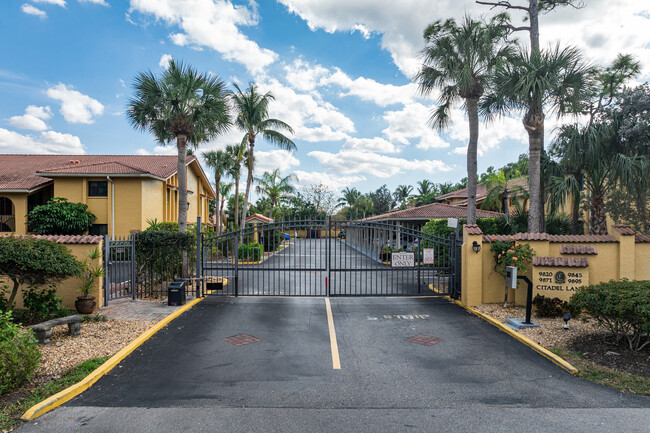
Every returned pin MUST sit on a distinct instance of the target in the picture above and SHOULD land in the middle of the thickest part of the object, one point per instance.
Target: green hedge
(621, 307)
(251, 252)
(438, 227)
(19, 355)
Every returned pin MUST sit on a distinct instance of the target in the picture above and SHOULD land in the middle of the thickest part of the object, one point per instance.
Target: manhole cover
(241, 340)
(424, 340)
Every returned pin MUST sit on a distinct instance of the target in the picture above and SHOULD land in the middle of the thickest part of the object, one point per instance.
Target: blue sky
(339, 70)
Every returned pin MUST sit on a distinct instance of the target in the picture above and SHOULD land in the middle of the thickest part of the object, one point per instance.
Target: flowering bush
(511, 253)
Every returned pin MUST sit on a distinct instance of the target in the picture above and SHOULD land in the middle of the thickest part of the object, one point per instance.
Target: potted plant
(85, 304)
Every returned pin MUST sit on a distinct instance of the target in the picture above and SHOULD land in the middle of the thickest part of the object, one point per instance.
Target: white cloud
(165, 60)
(45, 142)
(331, 180)
(303, 76)
(312, 118)
(142, 151)
(411, 122)
(272, 159)
(375, 144)
(34, 118)
(213, 24)
(602, 28)
(162, 149)
(61, 3)
(348, 162)
(490, 135)
(33, 10)
(75, 106)
(97, 2)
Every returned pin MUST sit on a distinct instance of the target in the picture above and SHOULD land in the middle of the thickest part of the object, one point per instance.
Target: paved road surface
(186, 378)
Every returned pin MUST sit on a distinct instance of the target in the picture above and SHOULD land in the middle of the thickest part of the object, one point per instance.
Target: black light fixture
(566, 318)
(476, 247)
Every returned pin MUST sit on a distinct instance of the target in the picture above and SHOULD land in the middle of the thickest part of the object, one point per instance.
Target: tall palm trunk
(472, 114)
(534, 124)
(597, 219)
(575, 211)
(220, 210)
(217, 180)
(271, 211)
(237, 195)
(249, 182)
(181, 174)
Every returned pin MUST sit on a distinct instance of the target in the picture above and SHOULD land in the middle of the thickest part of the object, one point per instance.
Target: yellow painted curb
(58, 399)
(559, 361)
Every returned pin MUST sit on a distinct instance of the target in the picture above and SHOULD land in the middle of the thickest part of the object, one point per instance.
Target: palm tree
(275, 187)
(225, 188)
(237, 153)
(555, 79)
(424, 187)
(499, 189)
(180, 105)
(458, 61)
(402, 193)
(252, 110)
(349, 199)
(364, 204)
(220, 162)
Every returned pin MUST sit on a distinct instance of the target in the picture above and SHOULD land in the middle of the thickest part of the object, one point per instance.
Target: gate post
(328, 253)
(198, 272)
(133, 267)
(236, 255)
(107, 273)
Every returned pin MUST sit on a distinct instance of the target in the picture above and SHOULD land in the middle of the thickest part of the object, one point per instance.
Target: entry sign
(402, 260)
(428, 256)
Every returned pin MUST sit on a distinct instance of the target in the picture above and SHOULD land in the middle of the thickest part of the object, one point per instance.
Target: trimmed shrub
(60, 217)
(251, 252)
(33, 262)
(19, 354)
(438, 227)
(553, 307)
(43, 304)
(621, 307)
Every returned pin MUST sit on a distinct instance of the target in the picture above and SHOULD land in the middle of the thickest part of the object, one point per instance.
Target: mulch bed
(602, 350)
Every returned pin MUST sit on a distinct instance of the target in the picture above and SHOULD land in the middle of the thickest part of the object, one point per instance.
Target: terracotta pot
(85, 304)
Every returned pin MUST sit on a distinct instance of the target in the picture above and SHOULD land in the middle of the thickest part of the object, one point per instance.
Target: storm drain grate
(424, 340)
(241, 340)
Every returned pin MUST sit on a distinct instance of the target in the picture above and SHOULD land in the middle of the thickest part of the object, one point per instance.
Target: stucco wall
(20, 210)
(619, 257)
(68, 289)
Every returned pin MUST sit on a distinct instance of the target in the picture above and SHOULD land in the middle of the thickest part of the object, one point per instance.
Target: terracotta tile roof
(472, 229)
(570, 262)
(578, 249)
(642, 239)
(66, 239)
(624, 230)
(19, 171)
(260, 217)
(481, 189)
(433, 211)
(552, 238)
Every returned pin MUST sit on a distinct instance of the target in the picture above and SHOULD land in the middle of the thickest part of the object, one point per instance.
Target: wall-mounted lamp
(476, 247)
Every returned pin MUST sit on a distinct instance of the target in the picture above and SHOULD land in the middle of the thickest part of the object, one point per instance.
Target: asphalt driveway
(457, 374)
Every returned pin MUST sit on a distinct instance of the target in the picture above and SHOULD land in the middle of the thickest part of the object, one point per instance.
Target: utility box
(511, 277)
(176, 292)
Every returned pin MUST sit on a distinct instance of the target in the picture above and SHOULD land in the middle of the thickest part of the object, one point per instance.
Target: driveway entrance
(407, 364)
(332, 258)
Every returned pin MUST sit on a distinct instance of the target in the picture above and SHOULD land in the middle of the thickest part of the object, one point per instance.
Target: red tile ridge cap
(623, 230)
(64, 239)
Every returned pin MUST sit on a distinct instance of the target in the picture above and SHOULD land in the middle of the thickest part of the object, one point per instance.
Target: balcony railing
(7, 223)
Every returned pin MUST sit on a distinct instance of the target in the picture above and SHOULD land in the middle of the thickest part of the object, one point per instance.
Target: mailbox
(176, 292)
(511, 277)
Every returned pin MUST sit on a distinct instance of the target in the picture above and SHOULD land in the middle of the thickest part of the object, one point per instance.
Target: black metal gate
(328, 257)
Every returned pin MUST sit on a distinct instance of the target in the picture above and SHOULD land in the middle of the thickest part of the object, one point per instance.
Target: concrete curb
(58, 399)
(557, 360)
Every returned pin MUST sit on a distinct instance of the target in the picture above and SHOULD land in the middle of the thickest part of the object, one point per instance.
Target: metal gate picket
(324, 257)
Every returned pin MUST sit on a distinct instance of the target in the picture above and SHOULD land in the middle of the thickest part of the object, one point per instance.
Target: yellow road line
(557, 360)
(58, 399)
(336, 362)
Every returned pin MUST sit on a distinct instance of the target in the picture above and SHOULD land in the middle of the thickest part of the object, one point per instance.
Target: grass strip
(9, 416)
(626, 382)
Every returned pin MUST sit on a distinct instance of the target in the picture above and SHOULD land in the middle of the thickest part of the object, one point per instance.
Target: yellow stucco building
(124, 192)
